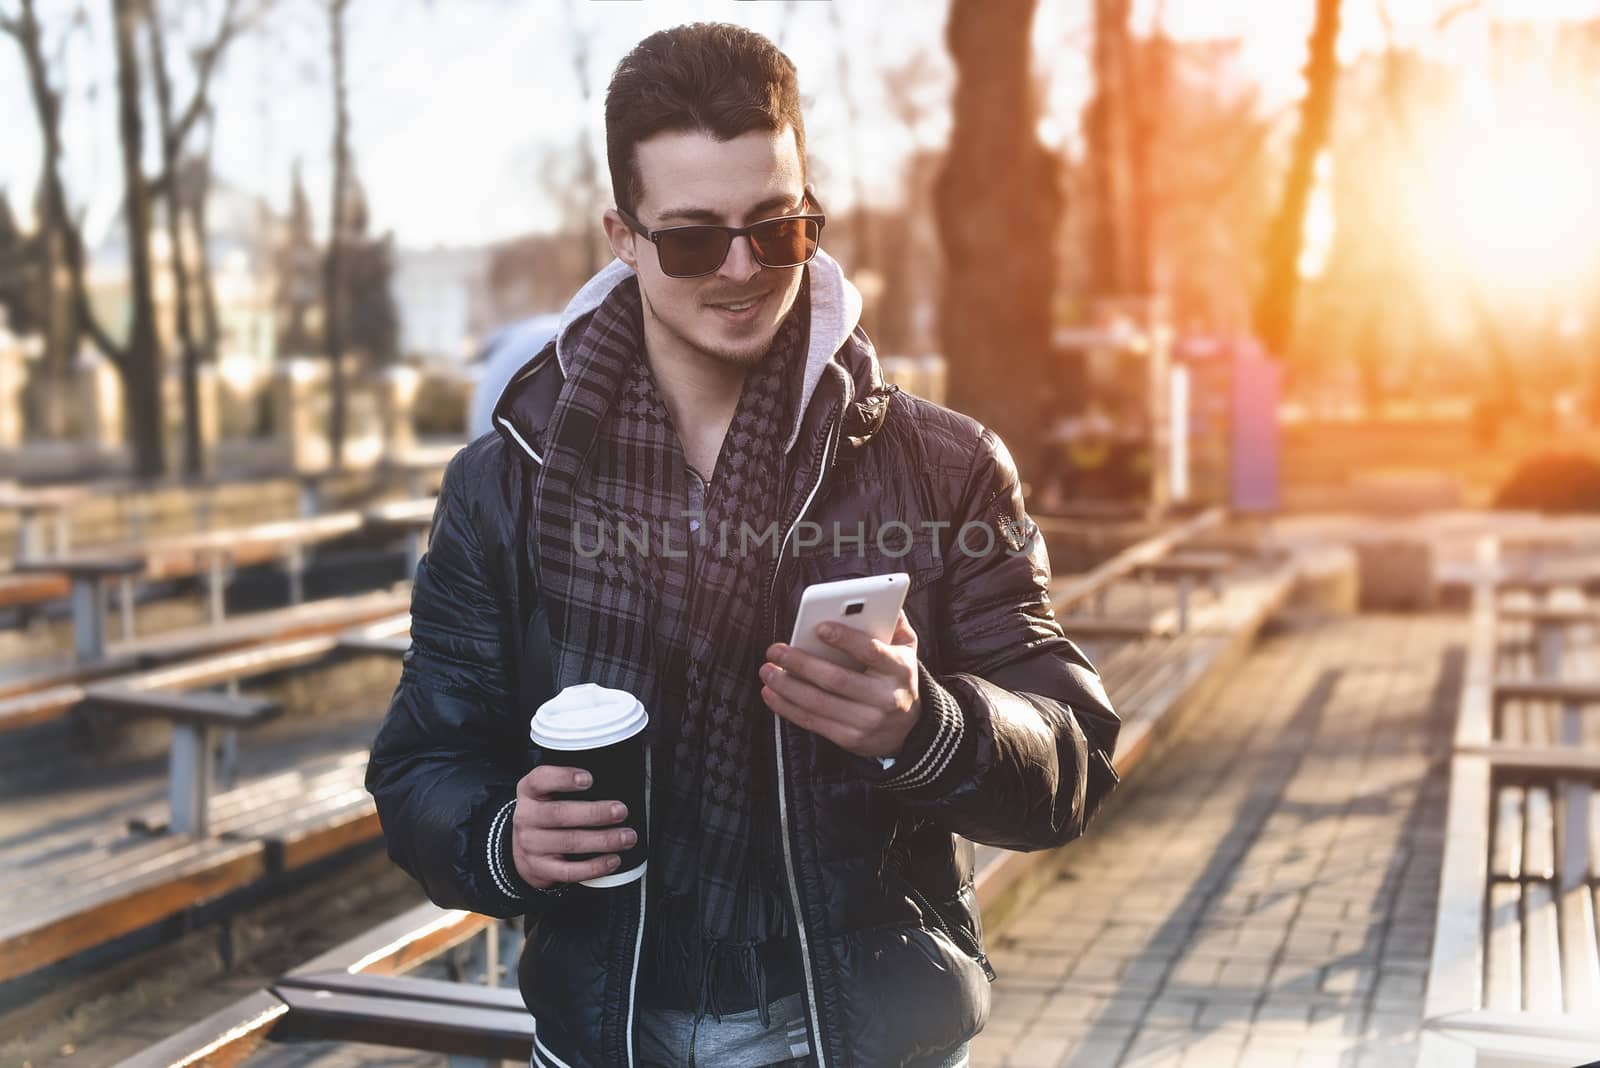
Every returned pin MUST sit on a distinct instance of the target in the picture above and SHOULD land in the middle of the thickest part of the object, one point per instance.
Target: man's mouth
(739, 308)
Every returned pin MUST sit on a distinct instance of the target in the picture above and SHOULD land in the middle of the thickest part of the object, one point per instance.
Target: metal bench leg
(215, 581)
(491, 955)
(228, 751)
(414, 543)
(1549, 639)
(30, 539)
(88, 619)
(191, 771)
(125, 605)
(310, 498)
(295, 566)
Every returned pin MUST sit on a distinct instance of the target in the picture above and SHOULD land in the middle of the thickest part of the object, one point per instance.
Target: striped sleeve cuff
(502, 869)
(929, 759)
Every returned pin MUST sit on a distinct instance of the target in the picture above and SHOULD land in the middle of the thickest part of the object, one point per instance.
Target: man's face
(688, 178)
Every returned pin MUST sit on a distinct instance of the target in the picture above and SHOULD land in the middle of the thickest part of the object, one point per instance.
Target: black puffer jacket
(1015, 750)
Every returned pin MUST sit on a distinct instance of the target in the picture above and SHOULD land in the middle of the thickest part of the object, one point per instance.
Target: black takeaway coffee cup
(599, 729)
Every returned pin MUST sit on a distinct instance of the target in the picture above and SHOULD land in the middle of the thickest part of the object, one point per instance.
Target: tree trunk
(172, 199)
(142, 371)
(333, 274)
(1275, 301)
(1106, 132)
(999, 201)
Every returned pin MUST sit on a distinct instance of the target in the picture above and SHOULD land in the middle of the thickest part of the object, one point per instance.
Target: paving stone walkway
(1264, 895)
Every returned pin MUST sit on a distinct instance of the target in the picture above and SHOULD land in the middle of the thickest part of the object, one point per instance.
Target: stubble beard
(742, 358)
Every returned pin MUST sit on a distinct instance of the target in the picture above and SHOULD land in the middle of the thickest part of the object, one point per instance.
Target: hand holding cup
(581, 817)
(546, 828)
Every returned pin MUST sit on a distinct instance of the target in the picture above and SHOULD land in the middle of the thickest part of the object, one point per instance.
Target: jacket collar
(839, 357)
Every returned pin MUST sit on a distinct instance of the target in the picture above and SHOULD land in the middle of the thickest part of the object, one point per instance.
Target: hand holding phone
(870, 707)
(870, 604)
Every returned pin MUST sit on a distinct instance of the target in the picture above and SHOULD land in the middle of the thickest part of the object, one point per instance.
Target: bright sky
(456, 102)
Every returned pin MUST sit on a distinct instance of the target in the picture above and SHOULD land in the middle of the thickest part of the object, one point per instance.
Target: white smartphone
(871, 604)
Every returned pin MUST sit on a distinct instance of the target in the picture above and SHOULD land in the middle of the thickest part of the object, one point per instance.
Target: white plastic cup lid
(587, 715)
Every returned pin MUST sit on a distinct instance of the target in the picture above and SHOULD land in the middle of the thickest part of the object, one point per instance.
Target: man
(808, 897)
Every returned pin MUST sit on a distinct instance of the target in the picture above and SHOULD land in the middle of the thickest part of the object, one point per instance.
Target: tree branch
(24, 29)
(207, 59)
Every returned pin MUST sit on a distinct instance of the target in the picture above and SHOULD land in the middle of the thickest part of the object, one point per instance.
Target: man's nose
(740, 264)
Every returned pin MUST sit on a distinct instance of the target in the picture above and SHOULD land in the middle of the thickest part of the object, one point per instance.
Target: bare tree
(333, 270)
(998, 225)
(138, 360)
(177, 189)
(1106, 135)
(586, 191)
(1275, 300)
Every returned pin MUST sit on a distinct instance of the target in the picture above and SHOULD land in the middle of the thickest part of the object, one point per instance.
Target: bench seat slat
(1541, 953)
(1508, 838)
(68, 896)
(1539, 835)
(32, 941)
(1502, 985)
(1580, 954)
(418, 1025)
(1594, 836)
(1537, 724)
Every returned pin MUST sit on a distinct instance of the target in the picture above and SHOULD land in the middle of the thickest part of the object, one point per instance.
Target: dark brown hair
(711, 76)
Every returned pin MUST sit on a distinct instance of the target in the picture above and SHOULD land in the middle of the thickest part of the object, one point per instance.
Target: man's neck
(701, 393)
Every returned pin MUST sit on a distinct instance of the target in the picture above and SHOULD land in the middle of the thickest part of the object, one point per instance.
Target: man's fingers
(873, 654)
(547, 871)
(904, 633)
(572, 813)
(851, 683)
(548, 779)
(822, 703)
(542, 842)
(842, 733)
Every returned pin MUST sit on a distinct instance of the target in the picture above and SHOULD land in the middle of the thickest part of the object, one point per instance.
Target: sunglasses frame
(654, 236)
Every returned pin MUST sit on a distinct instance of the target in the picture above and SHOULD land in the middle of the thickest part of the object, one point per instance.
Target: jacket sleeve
(446, 761)
(1015, 743)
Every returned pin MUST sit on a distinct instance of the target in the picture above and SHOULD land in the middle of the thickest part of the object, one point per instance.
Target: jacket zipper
(967, 939)
(638, 938)
(783, 791)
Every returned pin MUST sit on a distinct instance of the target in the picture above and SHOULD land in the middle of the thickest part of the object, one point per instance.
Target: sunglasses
(693, 251)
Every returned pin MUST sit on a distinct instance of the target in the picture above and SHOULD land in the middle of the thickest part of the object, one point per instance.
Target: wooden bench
(1152, 682)
(195, 718)
(1515, 974)
(386, 637)
(24, 590)
(78, 888)
(412, 519)
(88, 574)
(1188, 570)
(232, 1035)
(37, 506)
(42, 692)
(207, 554)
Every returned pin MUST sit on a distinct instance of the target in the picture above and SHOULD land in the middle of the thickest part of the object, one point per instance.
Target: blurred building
(241, 231)
(441, 295)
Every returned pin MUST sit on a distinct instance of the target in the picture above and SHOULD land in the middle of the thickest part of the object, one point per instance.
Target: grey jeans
(671, 1039)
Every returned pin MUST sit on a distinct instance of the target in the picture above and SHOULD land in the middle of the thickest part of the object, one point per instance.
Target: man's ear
(621, 238)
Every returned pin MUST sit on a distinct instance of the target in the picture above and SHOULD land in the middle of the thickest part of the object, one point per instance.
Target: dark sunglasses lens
(693, 250)
(785, 242)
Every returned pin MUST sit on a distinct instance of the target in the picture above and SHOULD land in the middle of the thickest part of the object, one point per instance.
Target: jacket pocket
(943, 922)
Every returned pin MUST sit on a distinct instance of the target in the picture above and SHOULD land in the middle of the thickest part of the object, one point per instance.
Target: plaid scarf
(680, 624)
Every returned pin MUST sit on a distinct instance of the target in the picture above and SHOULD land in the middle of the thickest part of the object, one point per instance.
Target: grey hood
(835, 315)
